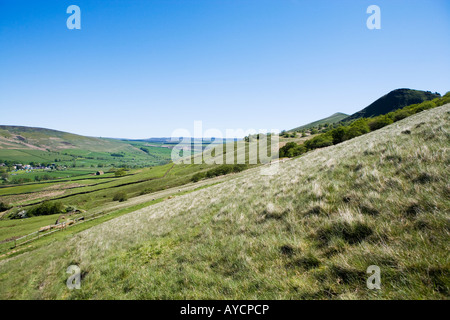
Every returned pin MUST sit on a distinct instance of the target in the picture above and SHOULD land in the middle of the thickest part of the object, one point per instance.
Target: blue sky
(141, 69)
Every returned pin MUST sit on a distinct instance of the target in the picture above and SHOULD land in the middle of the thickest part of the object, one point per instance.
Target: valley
(244, 235)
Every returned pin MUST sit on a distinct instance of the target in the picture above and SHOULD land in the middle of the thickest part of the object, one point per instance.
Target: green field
(25, 145)
(26, 156)
(95, 193)
(10, 229)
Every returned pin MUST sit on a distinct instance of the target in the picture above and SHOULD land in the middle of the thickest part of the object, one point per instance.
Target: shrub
(400, 114)
(120, 196)
(379, 122)
(21, 180)
(219, 171)
(324, 140)
(444, 100)
(291, 149)
(117, 155)
(239, 167)
(357, 128)
(4, 206)
(198, 176)
(424, 106)
(120, 173)
(338, 134)
(145, 191)
(46, 208)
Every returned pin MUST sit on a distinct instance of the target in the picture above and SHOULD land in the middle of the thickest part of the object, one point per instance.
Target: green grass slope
(308, 232)
(57, 140)
(338, 116)
(392, 101)
(27, 144)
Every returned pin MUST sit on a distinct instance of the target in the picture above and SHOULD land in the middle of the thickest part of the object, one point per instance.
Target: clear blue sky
(141, 69)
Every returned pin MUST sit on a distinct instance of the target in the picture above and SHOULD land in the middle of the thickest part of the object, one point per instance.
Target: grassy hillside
(309, 231)
(338, 116)
(95, 194)
(392, 101)
(335, 134)
(28, 137)
(27, 144)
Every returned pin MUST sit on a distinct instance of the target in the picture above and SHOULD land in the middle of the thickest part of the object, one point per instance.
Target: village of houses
(21, 173)
(29, 168)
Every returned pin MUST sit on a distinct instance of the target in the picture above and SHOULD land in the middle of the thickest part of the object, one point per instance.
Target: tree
(291, 149)
(357, 128)
(120, 173)
(46, 208)
(320, 141)
(380, 122)
(338, 135)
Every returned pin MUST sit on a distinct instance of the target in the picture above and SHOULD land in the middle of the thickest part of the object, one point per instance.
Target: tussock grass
(308, 232)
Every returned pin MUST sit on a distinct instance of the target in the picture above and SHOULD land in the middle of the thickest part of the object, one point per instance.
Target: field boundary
(65, 180)
(100, 189)
(6, 248)
(39, 234)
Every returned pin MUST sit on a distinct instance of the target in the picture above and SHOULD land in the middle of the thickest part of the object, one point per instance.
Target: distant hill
(394, 100)
(28, 144)
(19, 137)
(338, 116)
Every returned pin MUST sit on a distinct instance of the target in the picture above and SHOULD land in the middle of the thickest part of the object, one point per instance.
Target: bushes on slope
(358, 127)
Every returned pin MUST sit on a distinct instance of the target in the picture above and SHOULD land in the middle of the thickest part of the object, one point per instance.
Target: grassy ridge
(308, 232)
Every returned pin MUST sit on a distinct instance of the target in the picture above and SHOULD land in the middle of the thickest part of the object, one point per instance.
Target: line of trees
(347, 131)
(219, 171)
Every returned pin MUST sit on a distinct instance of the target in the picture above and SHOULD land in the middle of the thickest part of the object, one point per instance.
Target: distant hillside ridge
(392, 101)
(338, 116)
(21, 137)
(48, 147)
